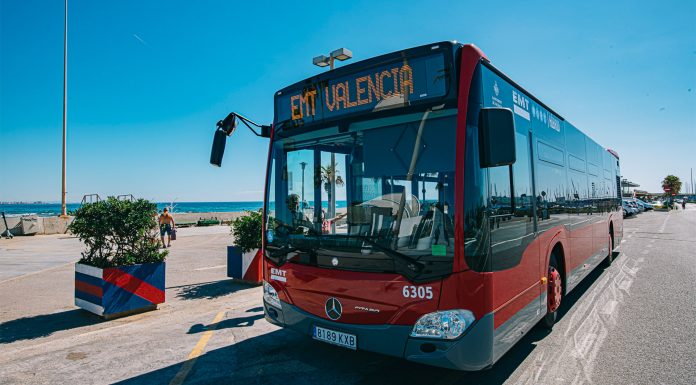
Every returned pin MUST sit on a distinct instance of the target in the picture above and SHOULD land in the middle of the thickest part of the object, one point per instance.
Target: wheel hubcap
(555, 291)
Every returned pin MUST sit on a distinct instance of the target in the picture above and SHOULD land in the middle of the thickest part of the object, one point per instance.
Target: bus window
(512, 216)
(332, 177)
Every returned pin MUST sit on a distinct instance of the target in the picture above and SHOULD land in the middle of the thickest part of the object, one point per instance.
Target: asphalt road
(632, 323)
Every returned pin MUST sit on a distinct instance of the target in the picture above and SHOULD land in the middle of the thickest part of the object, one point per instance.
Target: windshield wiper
(411, 169)
(282, 253)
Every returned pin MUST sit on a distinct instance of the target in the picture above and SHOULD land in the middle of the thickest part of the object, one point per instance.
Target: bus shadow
(209, 290)
(226, 324)
(580, 290)
(288, 357)
(513, 359)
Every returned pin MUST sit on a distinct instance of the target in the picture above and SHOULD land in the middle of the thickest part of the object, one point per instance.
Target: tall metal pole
(332, 203)
(63, 211)
(303, 164)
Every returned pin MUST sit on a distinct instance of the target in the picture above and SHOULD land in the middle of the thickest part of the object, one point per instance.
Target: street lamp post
(303, 164)
(63, 212)
(341, 54)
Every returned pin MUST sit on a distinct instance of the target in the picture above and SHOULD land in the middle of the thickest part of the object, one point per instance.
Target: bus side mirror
(225, 128)
(496, 137)
(218, 149)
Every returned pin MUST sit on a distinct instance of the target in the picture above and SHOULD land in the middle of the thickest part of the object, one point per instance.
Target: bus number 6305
(422, 292)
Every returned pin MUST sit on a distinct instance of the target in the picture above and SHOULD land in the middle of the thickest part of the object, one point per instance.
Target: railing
(90, 198)
(126, 197)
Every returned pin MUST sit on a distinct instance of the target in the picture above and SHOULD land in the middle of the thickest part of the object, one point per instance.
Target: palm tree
(672, 185)
(330, 178)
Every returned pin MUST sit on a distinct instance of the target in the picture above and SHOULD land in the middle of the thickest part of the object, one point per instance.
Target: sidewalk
(43, 334)
(22, 255)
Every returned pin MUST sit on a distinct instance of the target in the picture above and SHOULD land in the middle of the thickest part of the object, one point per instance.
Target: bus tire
(610, 255)
(554, 294)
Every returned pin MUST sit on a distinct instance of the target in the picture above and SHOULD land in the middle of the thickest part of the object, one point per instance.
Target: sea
(53, 209)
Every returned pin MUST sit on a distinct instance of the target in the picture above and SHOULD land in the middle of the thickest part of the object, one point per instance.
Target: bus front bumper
(472, 351)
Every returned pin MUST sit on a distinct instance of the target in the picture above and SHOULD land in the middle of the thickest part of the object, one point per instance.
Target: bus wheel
(610, 256)
(554, 294)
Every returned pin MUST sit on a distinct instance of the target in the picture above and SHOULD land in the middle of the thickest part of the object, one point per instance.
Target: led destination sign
(389, 85)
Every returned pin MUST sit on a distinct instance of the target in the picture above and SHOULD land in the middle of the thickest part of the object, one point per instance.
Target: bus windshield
(375, 196)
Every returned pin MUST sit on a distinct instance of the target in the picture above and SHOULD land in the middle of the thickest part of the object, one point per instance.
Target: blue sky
(149, 79)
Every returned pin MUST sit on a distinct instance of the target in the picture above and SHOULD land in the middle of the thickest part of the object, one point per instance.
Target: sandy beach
(36, 225)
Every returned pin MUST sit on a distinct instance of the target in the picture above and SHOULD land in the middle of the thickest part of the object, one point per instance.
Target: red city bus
(421, 204)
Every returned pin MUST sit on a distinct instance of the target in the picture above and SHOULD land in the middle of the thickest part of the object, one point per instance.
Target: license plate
(346, 340)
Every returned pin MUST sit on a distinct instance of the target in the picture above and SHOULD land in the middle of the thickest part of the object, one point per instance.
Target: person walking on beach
(166, 223)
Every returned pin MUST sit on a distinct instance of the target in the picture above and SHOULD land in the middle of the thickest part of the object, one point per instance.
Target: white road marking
(37, 272)
(210, 267)
(589, 325)
(609, 307)
(625, 285)
(664, 224)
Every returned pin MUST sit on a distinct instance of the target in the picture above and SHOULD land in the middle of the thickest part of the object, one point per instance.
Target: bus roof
(356, 66)
(451, 46)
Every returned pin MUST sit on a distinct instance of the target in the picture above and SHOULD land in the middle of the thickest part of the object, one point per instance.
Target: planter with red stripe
(119, 290)
(244, 266)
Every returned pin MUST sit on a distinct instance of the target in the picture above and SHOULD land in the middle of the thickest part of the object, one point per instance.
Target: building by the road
(628, 188)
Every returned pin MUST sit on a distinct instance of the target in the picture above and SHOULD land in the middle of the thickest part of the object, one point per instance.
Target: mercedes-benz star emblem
(333, 308)
(334, 261)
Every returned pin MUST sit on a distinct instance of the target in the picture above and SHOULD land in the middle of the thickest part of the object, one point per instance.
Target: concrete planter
(119, 291)
(244, 266)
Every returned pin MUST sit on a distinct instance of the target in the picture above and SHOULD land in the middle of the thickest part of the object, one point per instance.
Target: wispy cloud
(140, 39)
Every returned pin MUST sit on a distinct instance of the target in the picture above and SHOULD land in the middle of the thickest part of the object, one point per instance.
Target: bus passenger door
(514, 254)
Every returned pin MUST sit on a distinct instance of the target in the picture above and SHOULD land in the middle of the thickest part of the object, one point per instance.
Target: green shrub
(246, 231)
(118, 233)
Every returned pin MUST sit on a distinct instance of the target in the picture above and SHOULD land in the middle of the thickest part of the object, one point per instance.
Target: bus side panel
(582, 220)
(607, 200)
(514, 247)
(617, 217)
(595, 207)
(562, 190)
(600, 193)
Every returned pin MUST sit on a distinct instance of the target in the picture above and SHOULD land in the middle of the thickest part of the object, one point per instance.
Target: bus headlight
(270, 295)
(445, 325)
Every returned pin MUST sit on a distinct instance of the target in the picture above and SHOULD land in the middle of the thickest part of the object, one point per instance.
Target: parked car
(631, 203)
(646, 205)
(628, 209)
